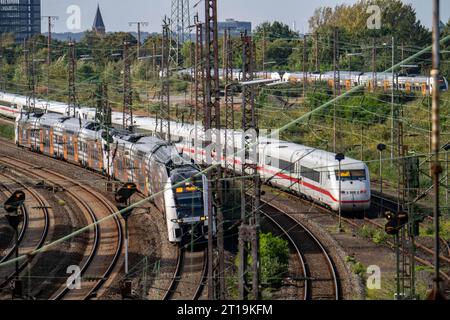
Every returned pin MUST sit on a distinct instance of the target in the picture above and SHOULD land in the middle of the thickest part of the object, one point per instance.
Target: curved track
(33, 235)
(105, 242)
(190, 275)
(24, 224)
(321, 277)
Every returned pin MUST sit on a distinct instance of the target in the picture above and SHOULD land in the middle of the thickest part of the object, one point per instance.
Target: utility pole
(264, 45)
(49, 38)
(2, 81)
(317, 52)
(374, 66)
(230, 166)
(139, 43)
(305, 76)
(72, 75)
(250, 187)
(212, 121)
(180, 22)
(165, 83)
(155, 69)
(103, 112)
(393, 89)
(199, 84)
(128, 122)
(436, 168)
(336, 85)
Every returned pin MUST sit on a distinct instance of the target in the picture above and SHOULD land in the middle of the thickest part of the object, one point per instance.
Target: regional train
(180, 190)
(308, 172)
(347, 80)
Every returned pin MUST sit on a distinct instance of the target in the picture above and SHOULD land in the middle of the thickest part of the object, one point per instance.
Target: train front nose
(355, 200)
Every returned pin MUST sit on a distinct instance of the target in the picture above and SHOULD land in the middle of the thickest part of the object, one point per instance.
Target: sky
(118, 13)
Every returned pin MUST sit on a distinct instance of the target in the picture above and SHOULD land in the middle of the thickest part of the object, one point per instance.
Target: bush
(274, 259)
(7, 131)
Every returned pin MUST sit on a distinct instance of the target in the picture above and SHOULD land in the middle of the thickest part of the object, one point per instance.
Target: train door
(297, 186)
(75, 148)
(51, 146)
(424, 89)
(408, 87)
(348, 84)
(145, 173)
(65, 151)
(89, 147)
(41, 140)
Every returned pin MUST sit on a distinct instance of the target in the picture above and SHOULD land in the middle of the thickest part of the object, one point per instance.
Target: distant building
(98, 26)
(21, 17)
(235, 27)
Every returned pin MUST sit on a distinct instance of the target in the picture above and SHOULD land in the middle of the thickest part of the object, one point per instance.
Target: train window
(351, 175)
(310, 174)
(286, 166)
(268, 161)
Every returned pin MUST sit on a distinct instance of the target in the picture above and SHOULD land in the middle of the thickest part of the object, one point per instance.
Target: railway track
(7, 252)
(37, 221)
(321, 280)
(190, 275)
(424, 259)
(105, 241)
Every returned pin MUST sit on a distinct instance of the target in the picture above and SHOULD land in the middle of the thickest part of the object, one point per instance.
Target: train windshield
(351, 175)
(189, 201)
(188, 195)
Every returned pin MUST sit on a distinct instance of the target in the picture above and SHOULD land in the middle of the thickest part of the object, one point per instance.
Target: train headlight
(204, 218)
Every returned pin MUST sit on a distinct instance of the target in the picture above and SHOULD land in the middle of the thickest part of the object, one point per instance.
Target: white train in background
(306, 171)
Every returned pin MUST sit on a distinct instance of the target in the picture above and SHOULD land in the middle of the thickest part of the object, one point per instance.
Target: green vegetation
(7, 131)
(274, 259)
(377, 236)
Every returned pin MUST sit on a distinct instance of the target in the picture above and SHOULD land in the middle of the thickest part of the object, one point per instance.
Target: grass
(444, 229)
(375, 235)
(7, 131)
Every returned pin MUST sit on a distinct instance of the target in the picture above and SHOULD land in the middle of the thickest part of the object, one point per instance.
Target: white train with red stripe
(308, 172)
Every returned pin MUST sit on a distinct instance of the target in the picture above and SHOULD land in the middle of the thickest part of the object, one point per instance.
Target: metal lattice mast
(127, 91)
(199, 84)
(251, 187)
(2, 81)
(72, 76)
(212, 121)
(103, 113)
(199, 71)
(165, 84)
(180, 27)
(49, 39)
(229, 104)
(139, 41)
(305, 76)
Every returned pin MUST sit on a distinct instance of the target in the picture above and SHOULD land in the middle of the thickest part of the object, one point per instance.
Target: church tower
(98, 26)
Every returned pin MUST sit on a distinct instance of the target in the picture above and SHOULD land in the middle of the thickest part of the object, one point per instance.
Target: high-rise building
(99, 26)
(20, 17)
(235, 27)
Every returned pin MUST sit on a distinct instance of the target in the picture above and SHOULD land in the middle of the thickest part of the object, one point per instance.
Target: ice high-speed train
(306, 171)
(154, 166)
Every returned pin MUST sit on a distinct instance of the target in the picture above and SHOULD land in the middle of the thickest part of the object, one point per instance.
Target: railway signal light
(395, 222)
(14, 202)
(125, 193)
